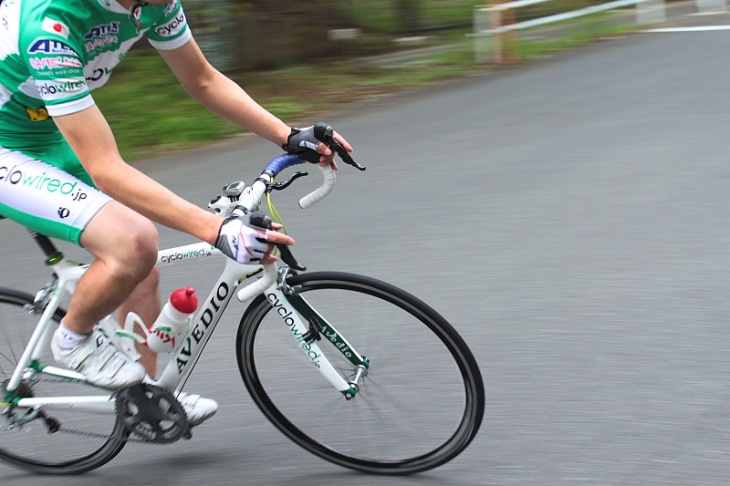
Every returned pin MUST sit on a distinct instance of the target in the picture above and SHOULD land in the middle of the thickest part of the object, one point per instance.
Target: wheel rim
(413, 411)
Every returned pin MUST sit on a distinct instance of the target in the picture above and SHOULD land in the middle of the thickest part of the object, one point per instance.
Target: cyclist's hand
(304, 143)
(245, 242)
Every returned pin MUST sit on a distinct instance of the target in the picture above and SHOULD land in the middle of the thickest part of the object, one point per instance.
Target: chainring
(152, 413)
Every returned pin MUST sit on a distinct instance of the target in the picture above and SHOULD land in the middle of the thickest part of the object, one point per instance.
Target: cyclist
(61, 173)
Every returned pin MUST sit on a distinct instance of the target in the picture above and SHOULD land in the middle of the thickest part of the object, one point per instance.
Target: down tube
(190, 348)
(298, 330)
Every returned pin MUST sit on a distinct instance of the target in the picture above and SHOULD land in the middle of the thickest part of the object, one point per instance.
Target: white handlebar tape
(318, 194)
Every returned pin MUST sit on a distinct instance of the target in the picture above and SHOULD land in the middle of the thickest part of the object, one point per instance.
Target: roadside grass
(575, 34)
(149, 112)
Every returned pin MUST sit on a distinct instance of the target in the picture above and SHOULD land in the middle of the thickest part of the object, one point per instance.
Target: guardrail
(494, 30)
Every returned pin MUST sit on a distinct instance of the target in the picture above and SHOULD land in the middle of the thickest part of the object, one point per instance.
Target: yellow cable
(275, 216)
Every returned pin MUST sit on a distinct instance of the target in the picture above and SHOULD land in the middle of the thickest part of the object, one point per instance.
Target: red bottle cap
(184, 300)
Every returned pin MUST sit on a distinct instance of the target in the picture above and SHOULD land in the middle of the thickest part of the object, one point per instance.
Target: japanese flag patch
(55, 27)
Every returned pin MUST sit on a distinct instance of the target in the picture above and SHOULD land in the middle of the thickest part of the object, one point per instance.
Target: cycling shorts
(48, 191)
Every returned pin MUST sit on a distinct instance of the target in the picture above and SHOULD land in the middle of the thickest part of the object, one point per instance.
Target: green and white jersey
(53, 53)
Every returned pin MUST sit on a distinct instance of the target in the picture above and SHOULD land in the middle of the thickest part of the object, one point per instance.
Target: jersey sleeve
(172, 30)
(56, 68)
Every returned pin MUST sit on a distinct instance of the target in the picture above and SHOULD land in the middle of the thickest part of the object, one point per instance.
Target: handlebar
(252, 196)
(249, 199)
(325, 134)
(283, 162)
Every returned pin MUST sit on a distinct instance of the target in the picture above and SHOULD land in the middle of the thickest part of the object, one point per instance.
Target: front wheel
(419, 405)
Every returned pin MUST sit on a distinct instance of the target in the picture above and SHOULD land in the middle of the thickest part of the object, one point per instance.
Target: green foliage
(149, 111)
(405, 15)
(147, 107)
(575, 33)
(554, 7)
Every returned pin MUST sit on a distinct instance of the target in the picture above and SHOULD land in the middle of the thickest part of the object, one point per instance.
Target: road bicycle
(352, 369)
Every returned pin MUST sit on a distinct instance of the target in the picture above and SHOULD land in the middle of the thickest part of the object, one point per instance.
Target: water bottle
(173, 321)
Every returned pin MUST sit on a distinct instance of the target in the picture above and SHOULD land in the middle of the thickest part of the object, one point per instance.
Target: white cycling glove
(239, 241)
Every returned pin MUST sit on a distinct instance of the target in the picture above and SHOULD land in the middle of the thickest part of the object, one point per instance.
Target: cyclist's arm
(92, 140)
(220, 94)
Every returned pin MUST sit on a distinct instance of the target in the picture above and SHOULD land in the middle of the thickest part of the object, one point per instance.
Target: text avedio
(210, 314)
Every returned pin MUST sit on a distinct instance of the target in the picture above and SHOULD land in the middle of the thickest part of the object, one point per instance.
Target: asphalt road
(570, 218)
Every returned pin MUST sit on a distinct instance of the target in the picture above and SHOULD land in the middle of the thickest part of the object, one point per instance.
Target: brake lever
(325, 134)
(262, 221)
(280, 186)
(288, 257)
(343, 153)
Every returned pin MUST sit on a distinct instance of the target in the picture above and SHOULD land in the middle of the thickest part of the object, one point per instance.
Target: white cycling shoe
(102, 363)
(198, 409)
(105, 365)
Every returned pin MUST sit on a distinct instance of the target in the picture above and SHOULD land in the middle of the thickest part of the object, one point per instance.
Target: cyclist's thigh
(45, 198)
(120, 233)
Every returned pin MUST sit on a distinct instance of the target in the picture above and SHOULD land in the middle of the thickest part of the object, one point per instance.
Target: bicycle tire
(78, 446)
(395, 449)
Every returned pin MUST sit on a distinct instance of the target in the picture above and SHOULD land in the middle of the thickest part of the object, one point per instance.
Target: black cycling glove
(303, 142)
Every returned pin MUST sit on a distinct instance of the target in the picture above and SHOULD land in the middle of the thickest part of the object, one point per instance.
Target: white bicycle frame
(189, 348)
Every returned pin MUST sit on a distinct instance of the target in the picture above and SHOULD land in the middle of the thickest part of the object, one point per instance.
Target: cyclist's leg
(144, 299)
(55, 203)
(68, 207)
(122, 277)
(145, 302)
(125, 246)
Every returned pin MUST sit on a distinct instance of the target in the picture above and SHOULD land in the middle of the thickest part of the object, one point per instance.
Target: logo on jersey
(102, 31)
(101, 42)
(61, 88)
(55, 27)
(49, 46)
(136, 15)
(173, 27)
(97, 74)
(59, 62)
(39, 115)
